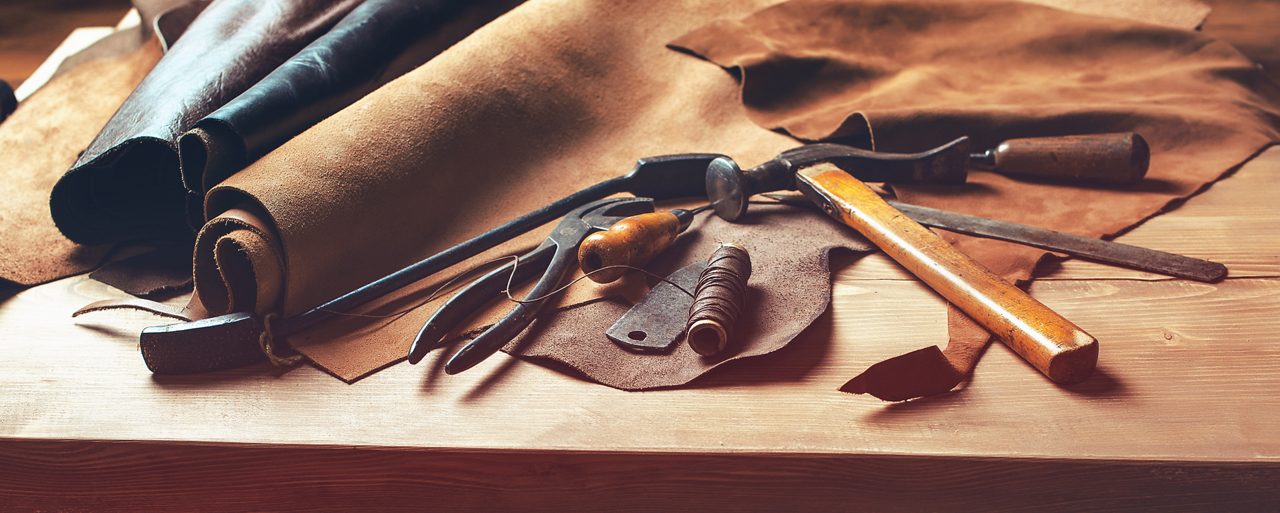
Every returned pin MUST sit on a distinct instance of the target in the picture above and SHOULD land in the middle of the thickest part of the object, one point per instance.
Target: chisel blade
(656, 323)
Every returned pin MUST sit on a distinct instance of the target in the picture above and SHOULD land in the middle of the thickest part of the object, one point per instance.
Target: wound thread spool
(718, 300)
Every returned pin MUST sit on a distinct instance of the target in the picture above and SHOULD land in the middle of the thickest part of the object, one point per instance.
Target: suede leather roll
(276, 69)
(126, 185)
(549, 98)
(905, 76)
(379, 40)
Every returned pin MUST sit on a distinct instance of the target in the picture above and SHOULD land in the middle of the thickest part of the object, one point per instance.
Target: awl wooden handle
(1051, 343)
(633, 241)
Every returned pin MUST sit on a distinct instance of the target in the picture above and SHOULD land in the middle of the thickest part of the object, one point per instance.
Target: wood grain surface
(1182, 411)
(30, 29)
(1182, 414)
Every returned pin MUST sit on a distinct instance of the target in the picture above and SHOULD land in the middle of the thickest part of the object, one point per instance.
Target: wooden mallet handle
(1051, 343)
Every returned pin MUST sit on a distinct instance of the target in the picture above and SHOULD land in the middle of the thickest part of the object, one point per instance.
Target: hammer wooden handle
(1051, 343)
(633, 241)
(1117, 159)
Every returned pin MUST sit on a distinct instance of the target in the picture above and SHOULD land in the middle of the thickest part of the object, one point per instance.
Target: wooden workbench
(1183, 412)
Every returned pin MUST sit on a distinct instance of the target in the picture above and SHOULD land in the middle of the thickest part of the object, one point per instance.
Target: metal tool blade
(657, 322)
(1110, 252)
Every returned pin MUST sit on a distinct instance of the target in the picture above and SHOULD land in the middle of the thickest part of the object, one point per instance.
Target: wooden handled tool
(633, 241)
(1051, 343)
(1115, 159)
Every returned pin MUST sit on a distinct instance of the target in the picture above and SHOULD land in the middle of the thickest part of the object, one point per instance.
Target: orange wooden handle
(1051, 343)
(632, 241)
(1120, 158)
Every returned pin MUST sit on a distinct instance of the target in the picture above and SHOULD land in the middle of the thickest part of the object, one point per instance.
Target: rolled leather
(126, 184)
(46, 135)
(379, 40)
(551, 97)
(247, 75)
(557, 95)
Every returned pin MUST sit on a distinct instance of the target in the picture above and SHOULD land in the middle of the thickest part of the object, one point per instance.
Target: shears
(557, 256)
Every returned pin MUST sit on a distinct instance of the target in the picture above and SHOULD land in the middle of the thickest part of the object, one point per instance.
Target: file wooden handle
(1115, 159)
(1051, 343)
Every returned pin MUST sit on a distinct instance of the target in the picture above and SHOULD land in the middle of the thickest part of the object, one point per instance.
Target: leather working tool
(1097, 250)
(1051, 343)
(729, 188)
(656, 323)
(1120, 158)
(233, 339)
(558, 254)
(633, 241)
(1110, 159)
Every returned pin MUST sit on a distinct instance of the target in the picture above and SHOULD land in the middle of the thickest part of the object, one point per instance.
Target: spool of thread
(718, 300)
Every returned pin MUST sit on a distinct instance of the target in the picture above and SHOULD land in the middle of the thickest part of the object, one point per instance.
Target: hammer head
(205, 345)
(725, 189)
(670, 176)
(729, 187)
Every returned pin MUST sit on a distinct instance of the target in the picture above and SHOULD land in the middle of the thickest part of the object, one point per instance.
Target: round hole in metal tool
(637, 335)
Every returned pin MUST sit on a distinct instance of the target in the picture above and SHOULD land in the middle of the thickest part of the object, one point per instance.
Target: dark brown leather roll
(376, 42)
(247, 76)
(126, 184)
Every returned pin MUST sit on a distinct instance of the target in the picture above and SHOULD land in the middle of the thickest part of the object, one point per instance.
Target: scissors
(557, 255)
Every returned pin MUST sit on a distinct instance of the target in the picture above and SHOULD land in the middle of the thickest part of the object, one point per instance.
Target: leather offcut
(41, 139)
(904, 76)
(790, 287)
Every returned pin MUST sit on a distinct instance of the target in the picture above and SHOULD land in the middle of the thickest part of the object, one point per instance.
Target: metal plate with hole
(656, 323)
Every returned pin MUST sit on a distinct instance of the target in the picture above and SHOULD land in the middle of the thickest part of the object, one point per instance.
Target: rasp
(1115, 253)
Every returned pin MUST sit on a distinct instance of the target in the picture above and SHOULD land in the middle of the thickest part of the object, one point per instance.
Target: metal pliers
(557, 255)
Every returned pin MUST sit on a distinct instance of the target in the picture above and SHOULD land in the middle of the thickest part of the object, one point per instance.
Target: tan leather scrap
(908, 75)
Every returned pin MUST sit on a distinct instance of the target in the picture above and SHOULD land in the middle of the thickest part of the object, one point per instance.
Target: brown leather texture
(126, 185)
(376, 42)
(790, 287)
(42, 139)
(547, 99)
(1250, 26)
(905, 76)
(156, 272)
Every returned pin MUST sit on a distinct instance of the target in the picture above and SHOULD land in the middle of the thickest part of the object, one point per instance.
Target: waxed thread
(266, 340)
(722, 289)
